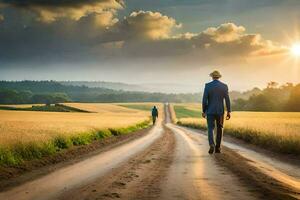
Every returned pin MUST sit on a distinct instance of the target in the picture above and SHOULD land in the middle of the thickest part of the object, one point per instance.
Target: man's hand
(203, 115)
(228, 116)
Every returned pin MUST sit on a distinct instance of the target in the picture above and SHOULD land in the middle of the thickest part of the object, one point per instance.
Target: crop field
(139, 106)
(21, 131)
(143, 106)
(278, 131)
(187, 110)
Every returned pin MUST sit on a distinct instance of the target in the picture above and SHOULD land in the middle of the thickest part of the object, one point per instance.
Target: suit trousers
(212, 121)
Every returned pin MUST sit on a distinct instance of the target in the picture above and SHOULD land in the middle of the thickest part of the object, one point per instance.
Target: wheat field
(27, 135)
(277, 130)
(28, 126)
(287, 124)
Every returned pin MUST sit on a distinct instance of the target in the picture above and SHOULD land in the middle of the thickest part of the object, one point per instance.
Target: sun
(295, 49)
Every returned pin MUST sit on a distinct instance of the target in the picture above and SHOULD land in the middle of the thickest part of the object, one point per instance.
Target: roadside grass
(32, 135)
(278, 132)
(25, 127)
(172, 113)
(20, 152)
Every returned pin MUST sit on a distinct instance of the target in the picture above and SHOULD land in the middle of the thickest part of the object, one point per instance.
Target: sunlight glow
(295, 49)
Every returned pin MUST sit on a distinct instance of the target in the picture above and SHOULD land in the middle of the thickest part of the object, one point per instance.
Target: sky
(143, 41)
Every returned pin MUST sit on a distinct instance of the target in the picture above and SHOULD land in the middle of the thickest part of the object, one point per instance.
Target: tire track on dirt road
(139, 178)
(272, 178)
(196, 175)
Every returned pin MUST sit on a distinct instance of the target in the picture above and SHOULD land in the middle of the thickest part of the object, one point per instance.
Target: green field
(183, 112)
(277, 131)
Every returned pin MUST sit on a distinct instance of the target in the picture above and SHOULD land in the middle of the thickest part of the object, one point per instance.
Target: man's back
(213, 98)
(214, 95)
(154, 112)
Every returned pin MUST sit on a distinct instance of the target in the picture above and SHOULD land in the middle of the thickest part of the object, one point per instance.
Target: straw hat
(215, 74)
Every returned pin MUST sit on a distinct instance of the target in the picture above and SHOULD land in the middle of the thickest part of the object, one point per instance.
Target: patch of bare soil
(29, 170)
(139, 178)
(264, 184)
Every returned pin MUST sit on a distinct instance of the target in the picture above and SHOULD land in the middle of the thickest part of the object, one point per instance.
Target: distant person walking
(154, 114)
(215, 93)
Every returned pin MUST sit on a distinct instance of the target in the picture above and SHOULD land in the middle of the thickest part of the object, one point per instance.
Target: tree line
(50, 92)
(9, 96)
(274, 97)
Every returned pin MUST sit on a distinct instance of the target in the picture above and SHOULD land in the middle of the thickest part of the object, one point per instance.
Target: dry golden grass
(147, 107)
(278, 130)
(275, 123)
(21, 126)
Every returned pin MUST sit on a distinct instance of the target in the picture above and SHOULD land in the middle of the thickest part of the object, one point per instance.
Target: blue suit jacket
(154, 112)
(215, 93)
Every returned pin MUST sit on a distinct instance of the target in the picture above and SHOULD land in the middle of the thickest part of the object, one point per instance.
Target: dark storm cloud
(53, 30)
(50, 11)
(67, 3)
(84, 39)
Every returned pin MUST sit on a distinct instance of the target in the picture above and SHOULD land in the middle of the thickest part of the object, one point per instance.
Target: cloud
(225, 32)
(230, 39)
(226, 43)
(89, 31)
(50, 11)
(147, 25)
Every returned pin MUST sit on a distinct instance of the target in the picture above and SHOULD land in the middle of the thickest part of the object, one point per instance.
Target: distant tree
(49, 98)
(287, 86)
(239, 104)
(260, 102)
(293, 104)
(271, 98)
(9, 96)
(272, 84)
(25, 96)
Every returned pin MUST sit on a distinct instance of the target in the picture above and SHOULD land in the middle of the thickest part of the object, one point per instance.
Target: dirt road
(170, 162)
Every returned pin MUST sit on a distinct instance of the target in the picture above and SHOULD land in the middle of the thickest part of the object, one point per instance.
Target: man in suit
(154, 114)
(215, 93)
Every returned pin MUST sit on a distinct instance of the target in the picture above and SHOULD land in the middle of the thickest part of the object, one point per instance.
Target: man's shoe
(211, 150)
(217, 150)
